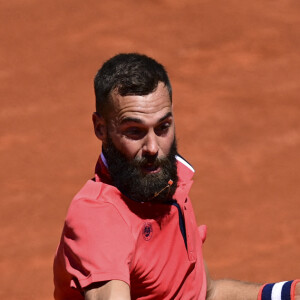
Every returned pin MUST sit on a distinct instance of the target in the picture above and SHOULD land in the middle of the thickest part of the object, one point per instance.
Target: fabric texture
(284, 290)
(108, 236)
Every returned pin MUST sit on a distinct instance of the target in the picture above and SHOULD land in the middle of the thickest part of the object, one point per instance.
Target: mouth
(151, 168)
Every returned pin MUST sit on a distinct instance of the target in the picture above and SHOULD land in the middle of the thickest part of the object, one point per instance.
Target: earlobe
(99, 126)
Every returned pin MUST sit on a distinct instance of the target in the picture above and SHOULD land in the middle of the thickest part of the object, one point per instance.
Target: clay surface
(235, 70)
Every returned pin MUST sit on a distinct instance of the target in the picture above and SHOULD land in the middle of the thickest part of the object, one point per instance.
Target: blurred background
(235, 69)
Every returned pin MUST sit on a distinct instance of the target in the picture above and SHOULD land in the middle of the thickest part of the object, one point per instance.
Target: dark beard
(128, 177)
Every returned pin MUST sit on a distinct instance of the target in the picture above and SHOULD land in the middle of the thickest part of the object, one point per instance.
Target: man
(131, 233)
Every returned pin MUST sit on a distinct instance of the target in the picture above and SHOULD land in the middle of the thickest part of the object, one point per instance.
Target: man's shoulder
(95, 195)
(90, 190)
(94, 203)
(89, 197)
(99, 205)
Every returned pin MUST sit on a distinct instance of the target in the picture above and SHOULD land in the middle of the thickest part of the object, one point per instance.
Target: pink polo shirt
(108, 236)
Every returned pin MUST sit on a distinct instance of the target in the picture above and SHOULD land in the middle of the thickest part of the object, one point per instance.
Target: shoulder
(90, 190)
(185, 169)
(93, 205)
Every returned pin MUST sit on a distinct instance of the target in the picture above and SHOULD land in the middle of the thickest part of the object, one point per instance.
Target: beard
(129, 178)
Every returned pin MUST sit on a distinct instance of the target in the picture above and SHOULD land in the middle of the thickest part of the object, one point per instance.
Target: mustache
(153, 160)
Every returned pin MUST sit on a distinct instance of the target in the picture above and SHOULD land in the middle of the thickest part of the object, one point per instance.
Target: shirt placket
(182, 197)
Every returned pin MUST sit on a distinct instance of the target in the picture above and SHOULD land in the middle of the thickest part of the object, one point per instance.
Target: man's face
(141, 126)
(140, 145)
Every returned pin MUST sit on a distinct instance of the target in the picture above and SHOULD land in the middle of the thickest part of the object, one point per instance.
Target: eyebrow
(137, 120)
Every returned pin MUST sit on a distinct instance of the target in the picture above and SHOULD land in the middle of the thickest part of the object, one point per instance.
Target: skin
(297, 292)
(143, 126)
(114, 289)
(139, 126)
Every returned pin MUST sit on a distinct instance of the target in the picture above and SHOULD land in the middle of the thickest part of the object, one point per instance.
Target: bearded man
(130, 232)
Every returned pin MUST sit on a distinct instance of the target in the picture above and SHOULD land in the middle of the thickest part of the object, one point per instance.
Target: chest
(165, 254)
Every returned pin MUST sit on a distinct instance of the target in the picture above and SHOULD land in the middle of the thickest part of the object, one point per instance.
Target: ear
(99, 127)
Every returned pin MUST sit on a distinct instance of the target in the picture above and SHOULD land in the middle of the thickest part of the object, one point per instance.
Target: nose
(150, 144)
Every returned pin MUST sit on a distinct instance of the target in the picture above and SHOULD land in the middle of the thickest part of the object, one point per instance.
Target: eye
(134, 133)
(163, 128)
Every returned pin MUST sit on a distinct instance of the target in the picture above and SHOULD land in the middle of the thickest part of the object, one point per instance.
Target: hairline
(115, 91)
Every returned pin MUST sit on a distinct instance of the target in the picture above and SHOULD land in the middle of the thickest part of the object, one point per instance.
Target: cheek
(129, 148)
(166, 144)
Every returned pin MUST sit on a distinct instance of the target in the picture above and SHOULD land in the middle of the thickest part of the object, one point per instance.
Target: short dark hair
(129, 74)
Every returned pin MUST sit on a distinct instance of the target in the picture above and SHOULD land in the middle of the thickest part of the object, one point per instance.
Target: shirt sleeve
(98, 244)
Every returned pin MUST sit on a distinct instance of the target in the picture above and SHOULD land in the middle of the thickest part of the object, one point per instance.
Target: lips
(151, 168)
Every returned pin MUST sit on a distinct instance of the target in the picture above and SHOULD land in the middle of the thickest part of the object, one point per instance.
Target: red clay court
(235, 70)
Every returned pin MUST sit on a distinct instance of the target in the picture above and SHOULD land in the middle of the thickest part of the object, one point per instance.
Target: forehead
(146, 108)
